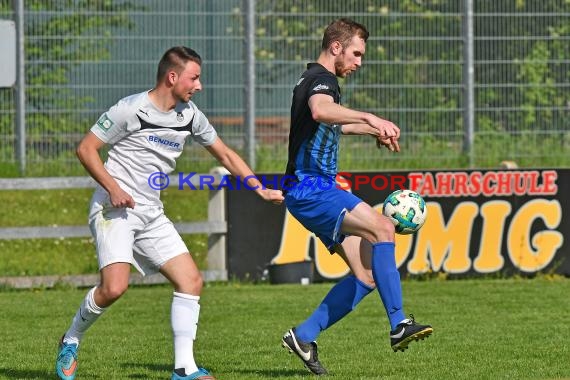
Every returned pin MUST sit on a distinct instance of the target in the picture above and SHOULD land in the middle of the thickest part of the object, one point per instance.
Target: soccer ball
(407, 210)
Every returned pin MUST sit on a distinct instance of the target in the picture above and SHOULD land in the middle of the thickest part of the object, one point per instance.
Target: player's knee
(383, 229)
(198, 281)
(191, 284)
(388, 227)
(112, 292)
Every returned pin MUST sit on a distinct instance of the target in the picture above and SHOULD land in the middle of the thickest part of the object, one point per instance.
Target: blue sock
(340, 301)
(387, 280)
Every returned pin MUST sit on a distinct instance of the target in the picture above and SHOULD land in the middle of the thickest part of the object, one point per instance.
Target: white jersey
(145, 140)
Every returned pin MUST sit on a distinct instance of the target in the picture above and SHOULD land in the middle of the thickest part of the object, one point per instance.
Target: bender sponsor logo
(165, 142)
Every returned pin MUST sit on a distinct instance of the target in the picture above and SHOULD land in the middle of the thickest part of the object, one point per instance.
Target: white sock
(85, 316)
(184, 319)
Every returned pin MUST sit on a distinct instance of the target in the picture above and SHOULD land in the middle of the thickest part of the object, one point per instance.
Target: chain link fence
(82, 56)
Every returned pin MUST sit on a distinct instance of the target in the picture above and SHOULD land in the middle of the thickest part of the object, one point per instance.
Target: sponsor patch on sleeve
(105, 123)
(320, 87)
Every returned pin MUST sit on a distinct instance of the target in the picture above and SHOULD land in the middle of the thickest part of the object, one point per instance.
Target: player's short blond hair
(342, 30)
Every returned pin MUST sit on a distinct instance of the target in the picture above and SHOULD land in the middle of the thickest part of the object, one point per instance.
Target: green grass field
(483, 329)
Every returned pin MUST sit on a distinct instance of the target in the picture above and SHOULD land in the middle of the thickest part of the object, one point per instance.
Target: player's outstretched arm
(237, 166)
(360, 129)
(325, 110)
(364, 129)
(88, 153)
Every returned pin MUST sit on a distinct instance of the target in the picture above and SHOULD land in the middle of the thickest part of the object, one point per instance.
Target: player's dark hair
(342, 30)
(175, 59)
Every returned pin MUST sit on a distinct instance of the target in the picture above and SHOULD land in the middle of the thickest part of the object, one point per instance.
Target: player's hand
(273, 196)
(121, 198)
(385, 128)
(389, 142)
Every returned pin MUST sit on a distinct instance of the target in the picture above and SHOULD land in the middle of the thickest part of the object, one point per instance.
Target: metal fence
(470, 83)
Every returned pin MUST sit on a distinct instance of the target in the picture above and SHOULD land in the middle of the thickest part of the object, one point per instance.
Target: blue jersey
(313, 146)
(317, 204)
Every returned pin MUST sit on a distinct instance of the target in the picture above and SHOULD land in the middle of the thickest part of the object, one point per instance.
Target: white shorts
(143, 236)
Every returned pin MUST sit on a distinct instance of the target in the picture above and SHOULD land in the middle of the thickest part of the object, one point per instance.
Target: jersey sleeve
(112, 125)
(324, 84)
(202, 131)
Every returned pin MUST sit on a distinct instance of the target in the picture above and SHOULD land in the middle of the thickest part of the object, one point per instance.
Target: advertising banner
(502, 222)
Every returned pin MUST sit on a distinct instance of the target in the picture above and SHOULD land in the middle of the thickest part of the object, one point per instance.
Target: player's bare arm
(364, 129)
(88, 153)
(386, 133)
(360, 129)
(325, 110)
(237, 166)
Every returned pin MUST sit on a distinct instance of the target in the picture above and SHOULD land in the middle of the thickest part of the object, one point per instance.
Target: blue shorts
(320, 207)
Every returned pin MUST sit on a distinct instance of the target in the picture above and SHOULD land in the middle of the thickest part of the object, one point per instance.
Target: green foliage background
(412, 75)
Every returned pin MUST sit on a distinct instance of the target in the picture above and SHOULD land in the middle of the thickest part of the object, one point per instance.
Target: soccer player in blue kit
(146, 133)
(346, 225)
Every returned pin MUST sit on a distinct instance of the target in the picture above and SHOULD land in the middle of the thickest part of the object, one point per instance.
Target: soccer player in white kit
(146, 133)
